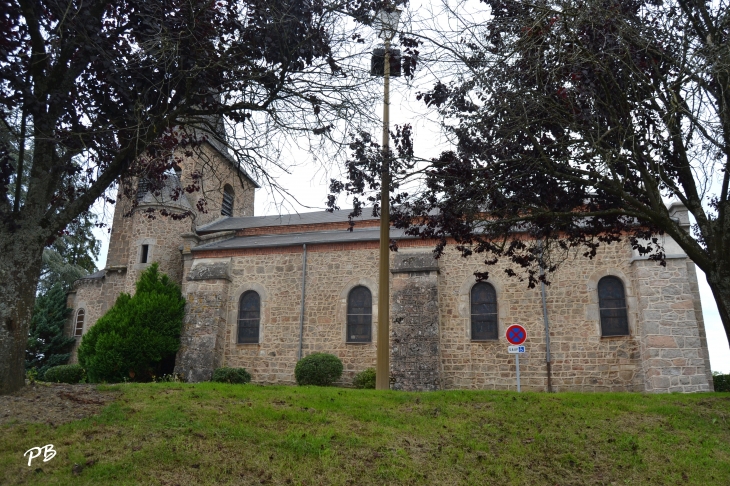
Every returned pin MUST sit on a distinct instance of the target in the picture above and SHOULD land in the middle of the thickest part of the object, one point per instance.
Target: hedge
(321, 369)
(71, 373)
(231, 375)
(365, 379)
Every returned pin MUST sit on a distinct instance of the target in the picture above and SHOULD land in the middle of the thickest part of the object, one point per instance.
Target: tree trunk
(720, 286)
(20, 266)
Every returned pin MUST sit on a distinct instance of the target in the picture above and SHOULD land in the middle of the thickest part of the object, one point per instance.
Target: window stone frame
(471, 316)
(151, 244)
(264, 312)
(593, 310)
(238, 318)
(81, 308)
(464, 308)
(347, 315)
(341, 312)
(232, 194)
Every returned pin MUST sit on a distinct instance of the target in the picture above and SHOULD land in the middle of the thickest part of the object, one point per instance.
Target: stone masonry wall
(674, 358)
(95, 296)
(119, 241)
(162, 234)
(204, 326)
(704, 351)
(415, 360)
(581, 359)
(216, 172)
(277, 279)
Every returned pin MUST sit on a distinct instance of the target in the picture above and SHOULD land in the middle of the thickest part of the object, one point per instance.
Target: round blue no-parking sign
(516, 334)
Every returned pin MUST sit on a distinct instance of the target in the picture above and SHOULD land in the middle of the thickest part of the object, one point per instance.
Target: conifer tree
(139, 336)
(47, 345)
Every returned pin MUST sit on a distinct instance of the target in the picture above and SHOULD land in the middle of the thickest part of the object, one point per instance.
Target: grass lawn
(168, 433)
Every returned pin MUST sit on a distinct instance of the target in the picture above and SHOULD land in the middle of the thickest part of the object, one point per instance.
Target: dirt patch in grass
(53, 403)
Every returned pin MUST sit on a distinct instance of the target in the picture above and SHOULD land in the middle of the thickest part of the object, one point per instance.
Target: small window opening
(359, 315)
(249, 317)
(143, 187)
(145, 253)
(228, 198)
(484, 322)
(79, 323)
(612, 303)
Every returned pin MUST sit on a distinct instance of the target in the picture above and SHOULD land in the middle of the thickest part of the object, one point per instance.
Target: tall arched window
(612, 301)
(228, 199)
(359, 315)
(79, 329)
(483, 312)
(249, 317)
(143, 187)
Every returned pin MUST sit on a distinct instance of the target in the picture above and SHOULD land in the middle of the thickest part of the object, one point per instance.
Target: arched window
(249, 317)
(79, 330)
(483, 312)
(143, 187)
(228, 198)
(359, 315)
(612, 301)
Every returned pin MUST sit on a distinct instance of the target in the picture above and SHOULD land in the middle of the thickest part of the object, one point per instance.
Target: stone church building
(261, 291)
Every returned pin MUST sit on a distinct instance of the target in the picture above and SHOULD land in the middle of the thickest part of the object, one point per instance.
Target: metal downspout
(301, 309)
(547, 325)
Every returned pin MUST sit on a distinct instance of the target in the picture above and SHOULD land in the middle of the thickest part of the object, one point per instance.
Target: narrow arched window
(359, 315)
(483, 312)
(143, 187)
(249, 317)
(79, 329)
(612, 302)
(228, 198)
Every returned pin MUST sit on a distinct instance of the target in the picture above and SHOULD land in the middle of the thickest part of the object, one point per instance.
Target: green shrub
(72, 373)
(365, 379)
(231, 375)
(319, 369)
(721, 382)
(138, 337)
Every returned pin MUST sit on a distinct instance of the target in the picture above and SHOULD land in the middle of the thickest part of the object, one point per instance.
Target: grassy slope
(217, 434)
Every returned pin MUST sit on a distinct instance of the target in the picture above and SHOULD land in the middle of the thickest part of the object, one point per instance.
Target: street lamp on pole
(386, 22)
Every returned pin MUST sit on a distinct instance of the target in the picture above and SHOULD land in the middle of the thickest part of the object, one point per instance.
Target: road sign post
(516, 335)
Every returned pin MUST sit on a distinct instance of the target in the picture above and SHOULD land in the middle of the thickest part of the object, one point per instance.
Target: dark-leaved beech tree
(575, 122)
(99, 90)
(138, 337)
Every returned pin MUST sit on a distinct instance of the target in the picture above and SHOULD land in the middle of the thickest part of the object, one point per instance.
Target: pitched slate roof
(171, 194)
(318, 217)
(94, 276)
(301, 238)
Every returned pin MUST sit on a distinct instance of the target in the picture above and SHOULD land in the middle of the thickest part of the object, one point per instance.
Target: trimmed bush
(365, 379)
(138, 337)
(321, 369)
(72, 373)
(721, 382)
(231, 375)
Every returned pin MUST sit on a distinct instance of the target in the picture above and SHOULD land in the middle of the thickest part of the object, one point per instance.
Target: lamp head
(386, 23)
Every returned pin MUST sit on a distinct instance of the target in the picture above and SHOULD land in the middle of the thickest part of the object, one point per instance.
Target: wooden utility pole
(382, 371)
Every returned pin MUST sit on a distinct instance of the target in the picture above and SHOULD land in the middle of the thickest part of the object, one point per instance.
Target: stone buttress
(415, 359)
(202, 340)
